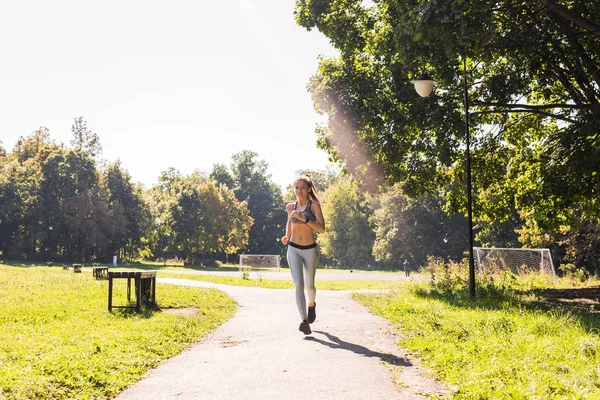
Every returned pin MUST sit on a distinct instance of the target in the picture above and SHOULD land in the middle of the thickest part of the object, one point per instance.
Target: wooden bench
(77, 267)
(145, 287)
(100, 272)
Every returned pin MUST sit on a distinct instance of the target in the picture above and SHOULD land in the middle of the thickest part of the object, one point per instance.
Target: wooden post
(110, 288)
(138, 300)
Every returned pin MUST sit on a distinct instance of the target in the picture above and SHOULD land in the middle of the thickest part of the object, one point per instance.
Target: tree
(84, 139)
(537, 107)
(123, 194)
(194, 218)
(348, 239)
(19, 207)
(253, 185)
(52, 204)
(221, 176)
(92, 225)
(76, 206)
(235, 224)
(414, 229)
(36, 143)
(158, 233)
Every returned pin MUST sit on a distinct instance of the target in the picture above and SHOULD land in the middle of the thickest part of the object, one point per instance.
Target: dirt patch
(587, 298)
(187, 312)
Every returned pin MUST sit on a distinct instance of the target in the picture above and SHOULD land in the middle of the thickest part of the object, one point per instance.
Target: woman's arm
(288, 226)
(319, 223)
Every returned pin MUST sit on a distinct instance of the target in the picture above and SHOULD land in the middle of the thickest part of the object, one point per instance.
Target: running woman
(304, 217)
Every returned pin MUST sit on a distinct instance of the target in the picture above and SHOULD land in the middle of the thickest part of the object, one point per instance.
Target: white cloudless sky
(179, 83)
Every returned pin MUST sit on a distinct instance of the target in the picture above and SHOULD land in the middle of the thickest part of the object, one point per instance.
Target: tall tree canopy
(533, 75)
(409, 229)
(127, 197)
(253, 185)
(53, 204)
(348, 239)
(84, 139)
(194, 218)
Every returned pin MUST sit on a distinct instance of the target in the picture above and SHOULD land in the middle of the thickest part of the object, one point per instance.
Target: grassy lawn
(288, 284)
(59, 341)
(171, 271)
(222, 267)
(497, 347)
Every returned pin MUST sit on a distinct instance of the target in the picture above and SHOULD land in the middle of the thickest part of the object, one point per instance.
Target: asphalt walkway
(260, 354)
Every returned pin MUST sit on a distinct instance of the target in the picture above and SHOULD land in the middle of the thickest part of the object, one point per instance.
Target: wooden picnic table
(100, 272)
(145, 287)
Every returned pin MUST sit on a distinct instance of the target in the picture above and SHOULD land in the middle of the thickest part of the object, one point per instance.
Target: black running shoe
(312, 313)
(305, 328)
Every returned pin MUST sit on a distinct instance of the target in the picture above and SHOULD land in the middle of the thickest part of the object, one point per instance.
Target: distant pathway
(260, 354)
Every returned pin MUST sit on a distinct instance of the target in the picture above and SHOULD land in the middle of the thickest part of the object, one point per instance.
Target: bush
(571, 271)
(448, 277)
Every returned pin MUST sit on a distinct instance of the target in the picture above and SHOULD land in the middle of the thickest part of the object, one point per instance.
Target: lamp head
(423, 84)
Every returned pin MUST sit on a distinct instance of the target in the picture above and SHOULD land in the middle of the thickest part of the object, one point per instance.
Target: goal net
(519, 261)
(259, 261)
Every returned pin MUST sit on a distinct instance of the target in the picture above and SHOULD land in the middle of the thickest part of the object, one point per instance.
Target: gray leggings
(303, 266)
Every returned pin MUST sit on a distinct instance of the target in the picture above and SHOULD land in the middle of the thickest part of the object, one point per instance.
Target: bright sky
(180, 83)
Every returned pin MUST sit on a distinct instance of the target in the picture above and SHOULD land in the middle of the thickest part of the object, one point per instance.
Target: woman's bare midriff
(302, 235)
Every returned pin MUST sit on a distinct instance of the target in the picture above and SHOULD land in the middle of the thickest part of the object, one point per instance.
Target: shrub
(571, 271)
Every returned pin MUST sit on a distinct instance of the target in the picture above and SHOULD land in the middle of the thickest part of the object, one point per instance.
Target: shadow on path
(337, 343)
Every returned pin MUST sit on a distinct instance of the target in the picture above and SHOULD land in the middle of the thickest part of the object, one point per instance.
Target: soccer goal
(518, 261)
(259, 261)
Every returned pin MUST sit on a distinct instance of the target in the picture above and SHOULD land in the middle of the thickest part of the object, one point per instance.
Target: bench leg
(138, 286)
(154, 292)
(110, 287)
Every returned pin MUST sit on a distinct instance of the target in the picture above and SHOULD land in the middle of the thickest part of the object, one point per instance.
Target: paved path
(260, 354)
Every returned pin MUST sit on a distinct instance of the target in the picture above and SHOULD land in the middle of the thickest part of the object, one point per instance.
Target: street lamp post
(424, 87)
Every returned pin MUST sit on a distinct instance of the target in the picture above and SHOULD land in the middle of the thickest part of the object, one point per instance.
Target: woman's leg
(296, 264)
(311, 257)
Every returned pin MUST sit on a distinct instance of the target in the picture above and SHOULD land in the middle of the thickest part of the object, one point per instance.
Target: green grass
(59, 340)
(222, 267)
(502, 347)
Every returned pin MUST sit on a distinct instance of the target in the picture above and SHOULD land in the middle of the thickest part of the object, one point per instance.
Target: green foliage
(220, 175)
(58, 337)
(348, 238)
(572, 272)
(127, 197)
(194, 218)
(19, 205)
(253, 185)
(84, 139)
(245, 273)
(413, 229)
(534, 109)
(54, 205)
(451, 277)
